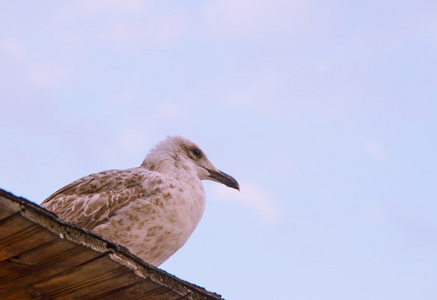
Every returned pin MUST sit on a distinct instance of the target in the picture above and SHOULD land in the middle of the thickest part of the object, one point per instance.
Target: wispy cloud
(377, 210)
(414, 222)
(132, 24)
(376, 150)
(252, 18)
(50, 74)
(252, 196)
(97, 7)
(12, 48)
(260, 95)
(135, 133)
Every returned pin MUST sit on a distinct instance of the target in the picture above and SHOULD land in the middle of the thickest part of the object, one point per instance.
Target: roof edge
(117, 253)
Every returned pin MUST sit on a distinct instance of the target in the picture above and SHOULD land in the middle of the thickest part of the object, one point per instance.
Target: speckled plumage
(153, 209)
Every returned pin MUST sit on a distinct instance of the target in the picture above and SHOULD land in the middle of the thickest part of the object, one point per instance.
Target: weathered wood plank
(4, 213)
(46, 253)
(13, 224)
(70, 263)
(140, 290)
(27, 262)
(19, 241)
(55, 257)
(90, 276)
(8, 269)
(22, 295)
(111, 281)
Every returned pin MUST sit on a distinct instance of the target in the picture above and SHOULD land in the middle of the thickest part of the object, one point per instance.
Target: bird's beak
(222, 177)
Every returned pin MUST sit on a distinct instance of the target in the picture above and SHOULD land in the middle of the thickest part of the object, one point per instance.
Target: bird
(152, 209)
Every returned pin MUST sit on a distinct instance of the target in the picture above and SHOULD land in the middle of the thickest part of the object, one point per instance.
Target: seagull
(151, 210)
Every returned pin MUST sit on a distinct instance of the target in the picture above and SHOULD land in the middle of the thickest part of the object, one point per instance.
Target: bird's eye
(197, 152)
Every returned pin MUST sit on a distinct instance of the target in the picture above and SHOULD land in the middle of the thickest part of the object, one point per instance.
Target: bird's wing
(92, 200)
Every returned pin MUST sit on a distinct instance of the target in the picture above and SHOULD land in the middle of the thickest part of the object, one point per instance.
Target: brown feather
(112, 190)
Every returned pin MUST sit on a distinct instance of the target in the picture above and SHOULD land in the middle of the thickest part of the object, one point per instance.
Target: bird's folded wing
(92, 200)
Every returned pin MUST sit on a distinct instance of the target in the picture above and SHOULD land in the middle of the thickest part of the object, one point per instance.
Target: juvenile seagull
(152, 210)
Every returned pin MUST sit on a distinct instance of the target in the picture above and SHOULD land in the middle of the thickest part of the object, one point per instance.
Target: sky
(324, 111)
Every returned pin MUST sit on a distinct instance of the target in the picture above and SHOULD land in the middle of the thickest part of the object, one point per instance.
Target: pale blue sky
(325, 111)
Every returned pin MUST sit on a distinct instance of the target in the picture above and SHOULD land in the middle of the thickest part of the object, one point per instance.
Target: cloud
(260, 95)
(377, 210)
(12, 48)
(253, 197)
(99, 6)
(247, 17)
(159, 30)
(50, 74)
(376, 150)
(239, 13)
(416, 222)
(132, 141)
(80, 9)
(170, 112)
(132, 24)
(141, 127)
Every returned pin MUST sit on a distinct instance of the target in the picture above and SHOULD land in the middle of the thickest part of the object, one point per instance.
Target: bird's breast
(156, 226)
(183, 204)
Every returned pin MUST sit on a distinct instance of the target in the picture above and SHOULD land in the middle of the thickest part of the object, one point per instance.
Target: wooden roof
(43, 257)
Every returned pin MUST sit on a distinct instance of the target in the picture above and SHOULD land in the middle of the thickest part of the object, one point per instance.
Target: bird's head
(180, 154)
